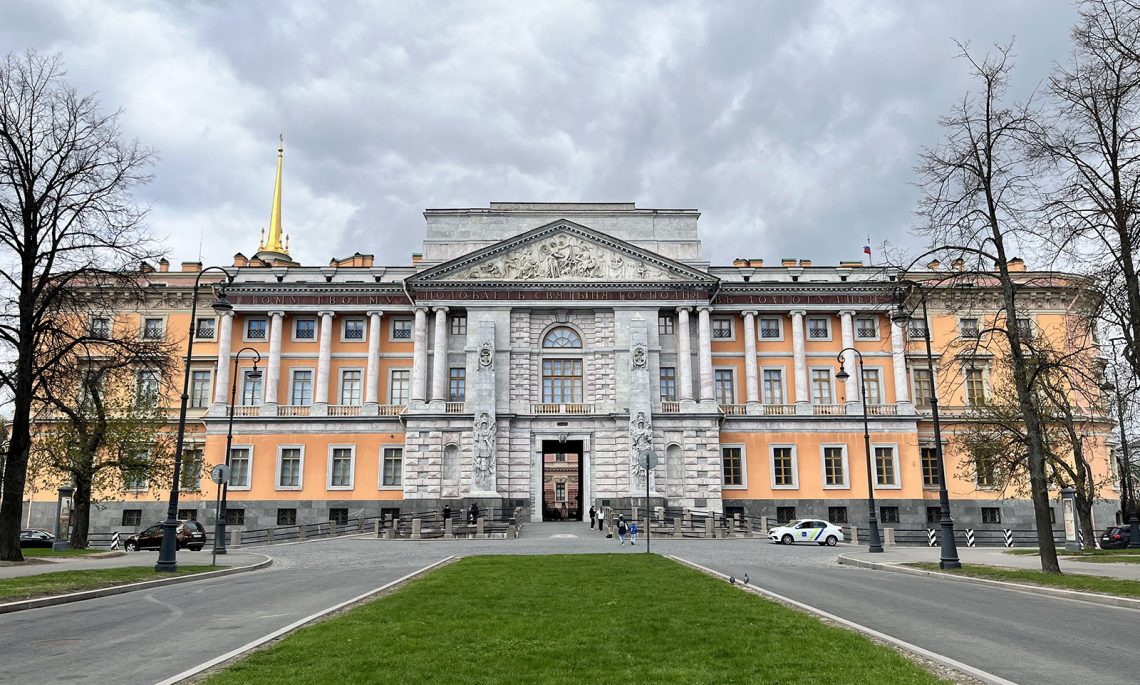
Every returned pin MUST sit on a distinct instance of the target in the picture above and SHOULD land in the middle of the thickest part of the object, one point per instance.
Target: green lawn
(1069, 581)
(572, 619)
(1108, 558)
(63, 582)
(61, 553)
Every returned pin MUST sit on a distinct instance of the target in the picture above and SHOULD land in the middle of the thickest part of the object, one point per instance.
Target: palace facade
(533, 351)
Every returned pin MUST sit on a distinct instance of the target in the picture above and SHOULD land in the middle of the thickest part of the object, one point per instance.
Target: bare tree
(67, 219)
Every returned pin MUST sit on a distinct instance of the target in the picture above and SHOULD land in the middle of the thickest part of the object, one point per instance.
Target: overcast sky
(792, 126)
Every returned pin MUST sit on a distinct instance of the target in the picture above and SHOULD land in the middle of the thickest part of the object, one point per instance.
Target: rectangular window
(401, 329)
(286, 517)
(132, 518)
(975, 388)
(819, 327)
(187, 514)
(302, 393)
(668, 378)
(340, 469)
(350, 382)
(733, 461)
(235, 517)
(560, 491)
(240, 458)
(400, 387)
(991, 515)
(354, 329)
(338, 515)
(147, 389)
(255, 329)
(929, 456)
(872, 386)
(392, 473)
(205, 328)
(785, 514)
(783, 467)
(562, 381)
(821, 386)
(725, 387)
(837, 514)
(666, 325)
(889, 514)
(834, 467)
(968, 328)
(134, 472)
(305, 329)
(153, 329)
(251, 388)
(866, 328)
(100, 328)
(190, 478)
(458, 324)
(722, 328)
(886, 471)
(1025, 328)
(457, 384)
(923, 387)
(933, 515)
(918, 330)
(985, 470)
(773, 386)
(289, 468)
(200, 389)
(770, 328)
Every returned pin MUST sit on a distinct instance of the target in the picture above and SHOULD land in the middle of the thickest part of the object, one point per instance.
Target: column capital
(800, 312)
(751, 312)
(847, 312)
(705, 308)
(420, 308)
(684, 309)
(375, 312)
(229, 314)
(277, 312)
(439, 308)
(326, 312)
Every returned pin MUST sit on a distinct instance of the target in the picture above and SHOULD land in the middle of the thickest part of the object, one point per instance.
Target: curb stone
(1075, 595)
(55, 600)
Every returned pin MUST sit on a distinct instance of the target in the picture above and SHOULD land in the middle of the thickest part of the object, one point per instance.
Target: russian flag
(867, 249)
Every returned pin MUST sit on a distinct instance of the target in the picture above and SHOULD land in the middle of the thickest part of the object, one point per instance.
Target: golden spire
(274, 241)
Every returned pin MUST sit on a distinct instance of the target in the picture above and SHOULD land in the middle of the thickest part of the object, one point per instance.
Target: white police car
(807, 530)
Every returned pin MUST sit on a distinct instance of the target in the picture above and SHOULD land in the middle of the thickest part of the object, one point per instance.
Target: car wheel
(832, 541)
(787, 539)
(131, 546)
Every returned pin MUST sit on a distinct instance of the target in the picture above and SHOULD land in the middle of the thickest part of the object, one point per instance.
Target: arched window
(562, 338)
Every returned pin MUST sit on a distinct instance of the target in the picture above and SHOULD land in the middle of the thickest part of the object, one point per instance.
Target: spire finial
(273, 243)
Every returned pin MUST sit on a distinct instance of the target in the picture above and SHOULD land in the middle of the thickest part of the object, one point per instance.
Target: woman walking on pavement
(593, 516)
(622, 529)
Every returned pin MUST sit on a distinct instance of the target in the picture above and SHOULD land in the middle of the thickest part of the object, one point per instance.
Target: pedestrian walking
(593, 516)
(633, 532)
(446, 512)
(473, 513)
(602, 519)
(622, 530)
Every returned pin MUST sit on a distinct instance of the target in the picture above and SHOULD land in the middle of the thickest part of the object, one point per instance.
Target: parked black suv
(191, 535)
(1115, 537)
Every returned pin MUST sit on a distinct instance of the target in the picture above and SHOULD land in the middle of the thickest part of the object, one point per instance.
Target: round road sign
(220, 474)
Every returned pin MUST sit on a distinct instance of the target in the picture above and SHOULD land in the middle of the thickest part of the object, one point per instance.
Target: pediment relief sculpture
(564, 258)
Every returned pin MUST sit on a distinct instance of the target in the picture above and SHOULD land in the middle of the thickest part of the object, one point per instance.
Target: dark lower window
(235, 517)
(339, 516)
(785, 514)
(889, 514)
(132, 517)
(286, 517)
(837, 514)
(991, 515)
(187, 514)
(933, 514)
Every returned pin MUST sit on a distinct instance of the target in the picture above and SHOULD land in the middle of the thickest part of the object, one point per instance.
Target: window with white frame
(200, 389)
(301, 393)
(668, 383)
(457, 384)
(341, 462)
(872, 386)
(241, 465)
(560, 491)
(886, 467)
(722, 328)
(154, 328)
(773, 386)
(251, 387)
(834, 466)
(985, 468)
(350, 383)
(134, 472)
(256, 329)
(352, 329)
(100, 327)
(562, 337)
(819, 328)
(725, 386)
(305, 329)
(666, 324)
(783, 466)
(929, 457)
(205, 328)
(968, 328)
(732, 464)
(392, 467)
(401, 329)
(770, 328)
(399, 389)
(457, 324)
(147, 388)
(562, 381)
(866, 328)
(975, 387)
(190, 477)
(821, 386)
(923, 387)
(289, 462)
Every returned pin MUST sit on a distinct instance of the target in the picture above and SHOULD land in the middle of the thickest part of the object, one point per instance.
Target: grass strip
(1107, 559)
(47, 552)
(64, 582)
(1070, 581)
(572, 619)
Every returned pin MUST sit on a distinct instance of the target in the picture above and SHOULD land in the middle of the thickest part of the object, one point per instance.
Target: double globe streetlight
(168, 551)
(253, 374)
(876, 543)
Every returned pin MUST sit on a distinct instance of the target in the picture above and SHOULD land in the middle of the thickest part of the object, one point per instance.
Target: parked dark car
(191, 535)
(1114, 537)
(36, 538)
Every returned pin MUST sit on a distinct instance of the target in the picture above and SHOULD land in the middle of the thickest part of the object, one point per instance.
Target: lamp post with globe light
(254, 374)
(875, 542)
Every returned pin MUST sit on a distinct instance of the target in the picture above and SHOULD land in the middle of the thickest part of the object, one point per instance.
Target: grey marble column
(684, 356)
(799, 364)
(372, 372)
(324, 363)
(851, 385)
(419, 358)
(704, 354)
(222, 373)
(751, 379)
(439, 360)
(273, 368)
(898, 360)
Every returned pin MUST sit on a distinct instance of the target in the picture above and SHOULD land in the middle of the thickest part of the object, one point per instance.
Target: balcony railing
(391, 409)
(293, 410)
(246, 410)
(670, 407)
(733, 409)
(344, 410)
(454, 407)
(779, 409)
(561, 409)
(827, 409)
(882, 410)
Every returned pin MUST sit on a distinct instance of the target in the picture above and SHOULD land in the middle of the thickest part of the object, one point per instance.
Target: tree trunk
(1084, 520)
(15, 477)
(81, 512)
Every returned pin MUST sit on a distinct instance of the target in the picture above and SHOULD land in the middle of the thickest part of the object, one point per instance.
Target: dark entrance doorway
(561, 480)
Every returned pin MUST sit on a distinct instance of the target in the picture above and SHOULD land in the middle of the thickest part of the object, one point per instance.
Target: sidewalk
(185, 558)
(994, 556)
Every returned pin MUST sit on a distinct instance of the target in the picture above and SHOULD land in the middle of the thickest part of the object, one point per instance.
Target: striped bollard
(115, 540)
(1080, 538)
(1008, 537)
(969, 537)
(932, 537)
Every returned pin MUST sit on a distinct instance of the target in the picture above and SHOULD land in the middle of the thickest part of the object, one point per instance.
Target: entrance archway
(561, 480)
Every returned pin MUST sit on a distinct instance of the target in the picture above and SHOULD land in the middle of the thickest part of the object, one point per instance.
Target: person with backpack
(622, 530)
(633, 532)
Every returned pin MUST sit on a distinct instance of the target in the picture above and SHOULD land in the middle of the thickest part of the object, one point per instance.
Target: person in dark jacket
(473, 513)
(446, 512)
(593, 516)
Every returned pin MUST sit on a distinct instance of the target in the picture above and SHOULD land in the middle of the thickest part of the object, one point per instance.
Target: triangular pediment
(563, 252)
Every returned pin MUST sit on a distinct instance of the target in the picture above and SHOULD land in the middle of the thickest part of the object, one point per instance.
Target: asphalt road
(145, 637)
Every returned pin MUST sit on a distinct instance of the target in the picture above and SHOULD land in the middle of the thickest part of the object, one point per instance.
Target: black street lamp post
(876, 544)
(949, 558)
(1125, 461)
(168, 551)
(254, 374)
